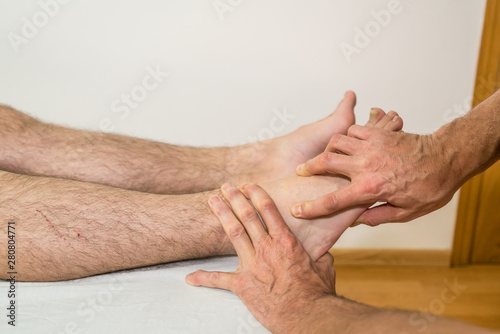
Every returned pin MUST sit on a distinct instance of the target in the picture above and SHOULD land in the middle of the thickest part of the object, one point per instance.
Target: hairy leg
(32, 147)
(67, 229)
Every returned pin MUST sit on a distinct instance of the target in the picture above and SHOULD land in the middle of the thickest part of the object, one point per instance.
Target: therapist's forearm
(333, 314)
(471, 144)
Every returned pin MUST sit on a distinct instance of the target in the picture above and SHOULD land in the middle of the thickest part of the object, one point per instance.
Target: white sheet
(149, 300)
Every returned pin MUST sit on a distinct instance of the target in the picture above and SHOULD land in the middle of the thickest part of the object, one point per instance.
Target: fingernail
(395, 119)
(214, 199)
(297, 210)
(189, 280)
(227, 186)
(300, 169)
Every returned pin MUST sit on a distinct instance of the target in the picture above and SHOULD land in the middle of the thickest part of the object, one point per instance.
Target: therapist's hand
(276, 279)
(411, 173)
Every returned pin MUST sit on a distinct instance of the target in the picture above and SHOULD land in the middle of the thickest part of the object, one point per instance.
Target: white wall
(229, 70)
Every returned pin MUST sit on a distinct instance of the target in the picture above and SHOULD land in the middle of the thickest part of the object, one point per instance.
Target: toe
(395, 125)
(386, 120)
(376, 114)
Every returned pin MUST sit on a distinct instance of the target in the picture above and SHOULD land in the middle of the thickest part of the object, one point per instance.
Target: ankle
(248, 163)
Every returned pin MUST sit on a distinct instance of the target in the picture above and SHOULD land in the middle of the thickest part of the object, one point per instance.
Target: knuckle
(324, 160)
(213, 277)
(329, 202)
(371, 187)
(231, 194)
(374, 187)
(369, 164)
(220, 209)
(352, 130)
(370, 222)
(248, 214)
(236, 232)
(335, 140)
(289, 242)
(267, 205)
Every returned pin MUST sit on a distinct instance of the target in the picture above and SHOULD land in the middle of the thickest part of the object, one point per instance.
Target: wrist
(447, 143)
(330, 313)
(472, 142)
(303, 315)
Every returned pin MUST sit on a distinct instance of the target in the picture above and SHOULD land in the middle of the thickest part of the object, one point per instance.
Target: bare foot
(278, 157)
(319, 235)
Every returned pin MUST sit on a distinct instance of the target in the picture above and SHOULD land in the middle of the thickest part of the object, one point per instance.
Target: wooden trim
(487, 77)
(465, 227)
(390, 257)
(489, 54)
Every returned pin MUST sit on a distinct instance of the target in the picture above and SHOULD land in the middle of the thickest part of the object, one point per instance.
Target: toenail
(395, 119)
(374, 112)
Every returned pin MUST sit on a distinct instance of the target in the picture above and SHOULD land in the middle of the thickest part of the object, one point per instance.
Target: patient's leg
(66, 229)
(36, 148)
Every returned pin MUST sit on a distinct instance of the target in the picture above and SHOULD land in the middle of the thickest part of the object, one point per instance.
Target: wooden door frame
(487, 82)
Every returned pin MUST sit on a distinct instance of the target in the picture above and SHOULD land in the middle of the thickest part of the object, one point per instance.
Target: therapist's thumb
(327, 204)
(210, 279)
(385, 213)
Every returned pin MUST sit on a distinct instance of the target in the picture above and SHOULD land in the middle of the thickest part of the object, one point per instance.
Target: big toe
(346, 106)
(343, 117)
(376, 115)
(338, 122)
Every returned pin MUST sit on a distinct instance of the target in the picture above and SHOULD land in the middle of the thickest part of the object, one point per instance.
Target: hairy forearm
(471, 144)
(68, 229)
(36, 148)
(332, 314)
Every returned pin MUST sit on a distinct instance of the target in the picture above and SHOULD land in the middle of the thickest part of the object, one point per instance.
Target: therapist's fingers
(245, 212)
(328, 162)
(266, 207)
(362, 132)
(233, 228)
(343, 144)
(347, 197)
(385, 213)
(211, 279)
